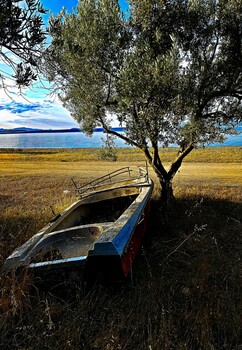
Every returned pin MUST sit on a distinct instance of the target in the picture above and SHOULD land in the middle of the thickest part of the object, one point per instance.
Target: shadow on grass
(183, 292)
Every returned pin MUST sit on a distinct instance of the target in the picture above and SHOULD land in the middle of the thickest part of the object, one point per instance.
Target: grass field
(183, 292)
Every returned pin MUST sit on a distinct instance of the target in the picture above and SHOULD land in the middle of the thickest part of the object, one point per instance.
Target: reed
(183, 292)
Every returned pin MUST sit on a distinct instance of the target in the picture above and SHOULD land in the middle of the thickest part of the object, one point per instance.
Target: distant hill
(24, 130)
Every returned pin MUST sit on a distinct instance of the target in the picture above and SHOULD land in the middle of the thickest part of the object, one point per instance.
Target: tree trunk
(165, 177)
(167, 196)
(165, 182)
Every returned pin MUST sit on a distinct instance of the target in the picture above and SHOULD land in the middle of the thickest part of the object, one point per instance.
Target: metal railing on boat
(114, 178)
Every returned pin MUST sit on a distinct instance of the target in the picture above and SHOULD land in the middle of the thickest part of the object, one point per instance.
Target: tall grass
(183, 292)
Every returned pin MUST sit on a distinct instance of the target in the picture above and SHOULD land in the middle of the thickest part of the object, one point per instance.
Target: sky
(36, 108)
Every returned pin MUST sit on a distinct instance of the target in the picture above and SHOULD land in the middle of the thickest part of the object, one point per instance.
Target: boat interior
(77, 232)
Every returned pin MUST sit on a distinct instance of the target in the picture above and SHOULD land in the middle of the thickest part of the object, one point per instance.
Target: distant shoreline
(73, 138)
(42, 131)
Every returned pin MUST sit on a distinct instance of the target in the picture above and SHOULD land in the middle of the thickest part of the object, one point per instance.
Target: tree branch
(157, 161)
(221, 93)
(112, 132)
(177, 162)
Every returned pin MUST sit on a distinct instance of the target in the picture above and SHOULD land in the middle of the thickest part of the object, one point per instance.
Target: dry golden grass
(183, 293)
(217, 180)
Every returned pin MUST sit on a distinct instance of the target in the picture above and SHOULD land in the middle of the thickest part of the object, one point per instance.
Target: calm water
(55, 140)
(73, 140)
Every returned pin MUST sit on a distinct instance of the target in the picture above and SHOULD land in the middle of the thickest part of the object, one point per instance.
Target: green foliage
(170, 72)
(211, 78)
(108, 150)
(22, 36)
(89, 61)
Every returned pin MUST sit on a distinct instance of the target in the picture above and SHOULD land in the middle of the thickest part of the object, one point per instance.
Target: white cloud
(34, 112)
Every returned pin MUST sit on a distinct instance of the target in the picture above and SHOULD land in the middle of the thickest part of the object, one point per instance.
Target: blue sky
(36, 108)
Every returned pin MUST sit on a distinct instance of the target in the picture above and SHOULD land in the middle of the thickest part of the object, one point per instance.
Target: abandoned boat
(100, 233)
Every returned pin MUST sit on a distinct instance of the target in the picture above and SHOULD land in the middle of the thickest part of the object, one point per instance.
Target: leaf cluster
(21, 39)
(86, 66)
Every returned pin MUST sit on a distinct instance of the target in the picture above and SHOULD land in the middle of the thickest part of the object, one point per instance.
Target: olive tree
(170, 72)
(21, 40)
